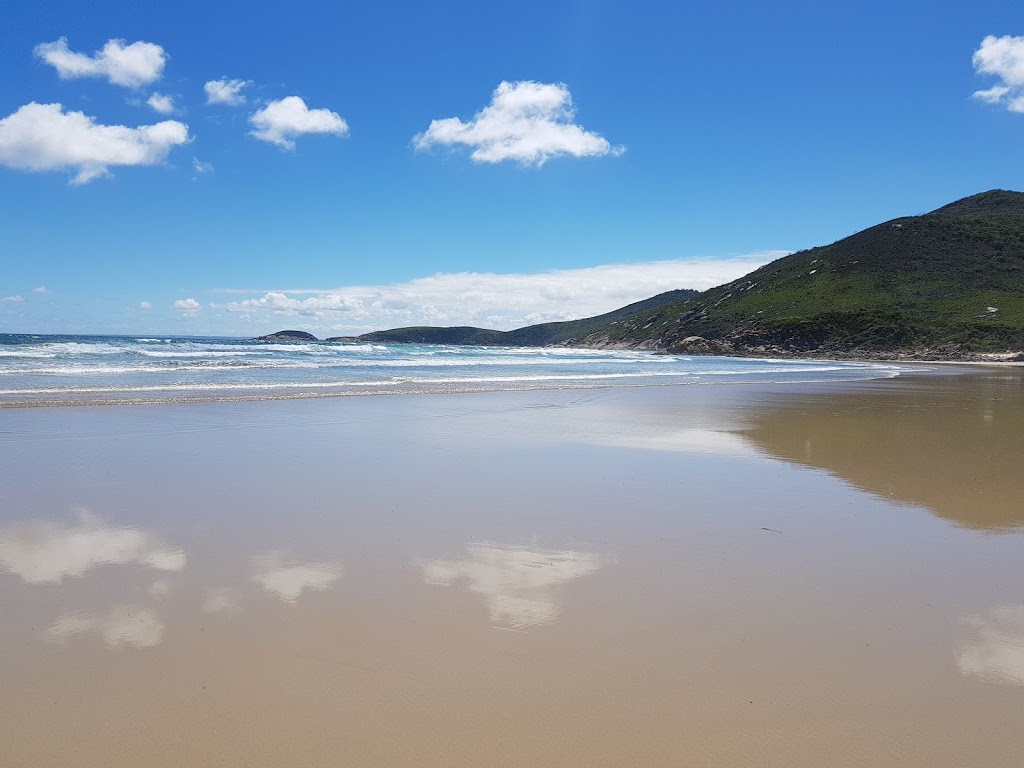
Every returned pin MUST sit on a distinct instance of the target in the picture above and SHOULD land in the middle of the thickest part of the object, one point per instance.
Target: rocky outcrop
(300, 336)
(698, 345)
(747, 345)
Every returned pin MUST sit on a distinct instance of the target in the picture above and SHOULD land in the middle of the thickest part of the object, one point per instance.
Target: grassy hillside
(545, 334)
(951, 277)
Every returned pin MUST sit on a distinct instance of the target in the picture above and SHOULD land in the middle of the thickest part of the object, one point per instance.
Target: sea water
(59, 370)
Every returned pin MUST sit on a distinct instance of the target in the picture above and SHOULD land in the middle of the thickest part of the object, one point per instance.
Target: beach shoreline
(58, 371)
(525, 577)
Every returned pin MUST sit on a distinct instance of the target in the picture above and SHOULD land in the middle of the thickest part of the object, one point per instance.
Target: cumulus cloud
(1004, 58)
(527, 122)
(500, 301)
(991, 95)
(225, 91)
(46, 553)
(288, 580)
(122, 625)
(43, 137)
(517, 584)
(15, 299)
(161, 103)
(132, 66)
(187, 305)
(145, 305)
(40, 289)
(280, 122)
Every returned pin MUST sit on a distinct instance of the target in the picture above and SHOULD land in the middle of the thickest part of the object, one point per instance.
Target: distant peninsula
(288, 336)
(542, 335)
(946, 285)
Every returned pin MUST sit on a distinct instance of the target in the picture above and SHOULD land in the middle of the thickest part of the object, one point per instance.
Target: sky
(236, 168)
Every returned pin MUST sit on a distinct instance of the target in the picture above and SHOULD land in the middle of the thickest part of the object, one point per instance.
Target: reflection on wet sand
(288, 580)
(123, 625)
(952, 444)
(518, 584)
(683, 632)
(221, 600)
(47, 553)
(715, 442)
(996, 653)
(159, 589)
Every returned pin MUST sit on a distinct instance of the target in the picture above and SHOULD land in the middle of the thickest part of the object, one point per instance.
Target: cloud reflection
(517, 584)
(289, 580)
(46, 553)
(707, 441)
(123, 625)
(160, 589)
(996, 653)
(221, 600)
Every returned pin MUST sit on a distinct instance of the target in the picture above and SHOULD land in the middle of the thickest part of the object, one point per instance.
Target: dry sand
(695, 575)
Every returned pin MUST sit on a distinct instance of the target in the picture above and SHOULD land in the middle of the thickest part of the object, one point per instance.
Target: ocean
(74, 370)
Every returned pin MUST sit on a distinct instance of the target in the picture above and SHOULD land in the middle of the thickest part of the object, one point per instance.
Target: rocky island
(300, 336)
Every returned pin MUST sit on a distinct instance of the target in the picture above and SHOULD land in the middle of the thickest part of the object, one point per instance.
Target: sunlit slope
(544, 334)
(951, 277)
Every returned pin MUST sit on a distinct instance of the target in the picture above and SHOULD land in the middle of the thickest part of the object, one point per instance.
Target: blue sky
(705, 138)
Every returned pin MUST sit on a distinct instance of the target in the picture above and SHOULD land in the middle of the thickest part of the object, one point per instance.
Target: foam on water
(94, 369)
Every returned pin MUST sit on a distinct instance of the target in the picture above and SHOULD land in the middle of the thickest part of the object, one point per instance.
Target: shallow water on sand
(735, 576)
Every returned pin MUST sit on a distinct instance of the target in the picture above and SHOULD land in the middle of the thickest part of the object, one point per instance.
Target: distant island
(288, 336)
(946, 285)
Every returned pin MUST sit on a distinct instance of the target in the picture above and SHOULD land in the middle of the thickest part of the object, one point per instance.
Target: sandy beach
(714, 575)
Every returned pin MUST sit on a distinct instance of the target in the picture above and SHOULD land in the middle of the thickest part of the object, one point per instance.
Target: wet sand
(690, 575)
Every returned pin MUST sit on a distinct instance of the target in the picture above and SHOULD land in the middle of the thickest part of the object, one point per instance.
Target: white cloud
(517, 584)
(991, 95)
(289, 580)
(40, 289)
(161, 103)
(43, 137)
(123, 625)
(526, 122)
(12, 299)
(996, 653)
(187, 305)
(145, 305)
(282, 121)
(199, 168)
(500, 301)
(226, 91)
(45, 553)
(1004, 58)
(132, 65)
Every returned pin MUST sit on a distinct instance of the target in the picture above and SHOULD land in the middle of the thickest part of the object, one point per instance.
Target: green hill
(948, 282)
(543, 335)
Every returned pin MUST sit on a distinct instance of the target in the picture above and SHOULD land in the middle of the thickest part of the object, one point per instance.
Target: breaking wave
(77, 369)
